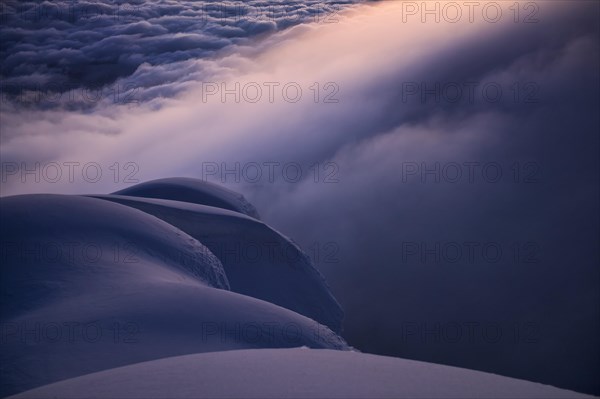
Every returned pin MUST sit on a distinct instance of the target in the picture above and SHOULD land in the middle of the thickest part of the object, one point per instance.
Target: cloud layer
(62, 46)
(430, 141)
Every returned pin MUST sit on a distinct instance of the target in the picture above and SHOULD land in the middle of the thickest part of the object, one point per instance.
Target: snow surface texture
(89, 285)
(294, 373)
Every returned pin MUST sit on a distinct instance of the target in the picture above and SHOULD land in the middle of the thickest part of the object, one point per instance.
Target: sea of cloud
(388, 110)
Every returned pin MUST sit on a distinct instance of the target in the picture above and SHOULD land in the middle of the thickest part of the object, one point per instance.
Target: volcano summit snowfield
(119, 296)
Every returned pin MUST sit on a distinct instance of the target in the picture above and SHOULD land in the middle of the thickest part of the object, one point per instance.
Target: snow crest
(295, 373)
(90, 284)
(192, 190)
(258, 261)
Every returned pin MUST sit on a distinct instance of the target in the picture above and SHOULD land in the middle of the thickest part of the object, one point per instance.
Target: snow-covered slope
(294, 373)
(258, 261)
(89, 285)
(192, 190)
(130, 297)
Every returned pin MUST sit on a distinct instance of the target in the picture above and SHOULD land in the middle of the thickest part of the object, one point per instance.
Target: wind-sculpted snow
(194, 191)
(258, 261)
(88, 285)
(53, 244)
(294, 373)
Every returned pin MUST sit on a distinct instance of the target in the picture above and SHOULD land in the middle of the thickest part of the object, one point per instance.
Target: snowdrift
(89, 285)
(294, 373)
(258, 261)
(132, 297)
(192, 190)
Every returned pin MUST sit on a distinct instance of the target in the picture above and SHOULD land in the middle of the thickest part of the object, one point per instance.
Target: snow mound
(294, 373)
(56, 245)
(89, 285)
(192, 190)
(258, 261)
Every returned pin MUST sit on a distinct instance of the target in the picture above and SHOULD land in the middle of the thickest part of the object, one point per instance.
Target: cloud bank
(62, 46)
(446, 173)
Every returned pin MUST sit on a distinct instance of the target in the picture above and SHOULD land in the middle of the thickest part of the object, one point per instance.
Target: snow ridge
(89, 284)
